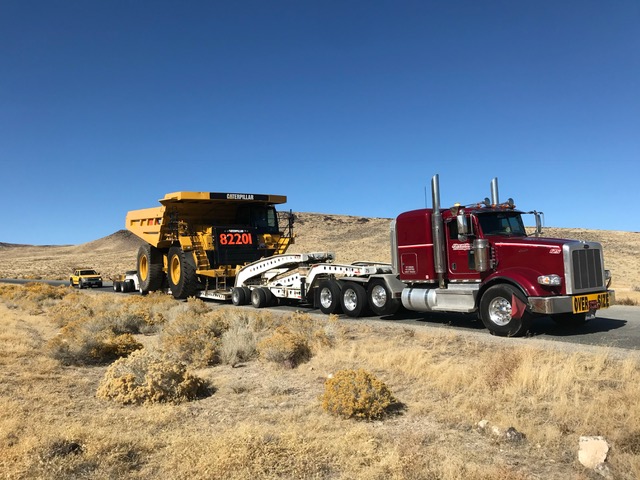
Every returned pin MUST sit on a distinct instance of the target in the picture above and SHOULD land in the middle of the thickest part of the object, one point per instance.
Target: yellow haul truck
(197, 241)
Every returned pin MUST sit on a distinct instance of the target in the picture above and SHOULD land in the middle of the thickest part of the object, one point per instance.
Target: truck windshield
(262, 217)
(502, 223)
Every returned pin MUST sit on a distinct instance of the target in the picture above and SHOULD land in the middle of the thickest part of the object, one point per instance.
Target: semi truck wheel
(117, 286)
(381, 299)
(182, 277)
(329, 297)
(239, 296)
(128, 286)
(497, 311)
(353, 299)
(261, 297)
(149, 268)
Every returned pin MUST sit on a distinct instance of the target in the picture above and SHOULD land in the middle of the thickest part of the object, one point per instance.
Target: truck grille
(585, 267)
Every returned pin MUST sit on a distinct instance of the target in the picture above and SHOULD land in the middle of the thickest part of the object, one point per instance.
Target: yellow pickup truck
(85, 277)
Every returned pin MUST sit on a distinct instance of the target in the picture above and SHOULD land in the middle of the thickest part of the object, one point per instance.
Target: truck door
(460, 261)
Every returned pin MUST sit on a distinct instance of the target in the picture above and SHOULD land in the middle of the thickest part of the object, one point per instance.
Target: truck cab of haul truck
(480, 258)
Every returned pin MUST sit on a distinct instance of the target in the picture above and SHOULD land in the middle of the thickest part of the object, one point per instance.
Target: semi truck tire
(128, 286)
(182, 277)
(261, 297)
(381, 299)
(149, 268)
(117, 286)
(353, 299)
(329, 297)
(496, 311)
(239, 296)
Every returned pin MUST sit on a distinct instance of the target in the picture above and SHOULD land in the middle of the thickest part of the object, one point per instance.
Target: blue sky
(345, 107)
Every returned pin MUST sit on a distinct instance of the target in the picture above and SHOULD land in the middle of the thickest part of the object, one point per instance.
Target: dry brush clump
(33, 297)
(284, 348)
(357, 394)
(144, 377)
(193, 336)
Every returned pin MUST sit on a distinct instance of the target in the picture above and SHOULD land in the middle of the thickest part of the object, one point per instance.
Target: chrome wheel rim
(500, 311)
(350, 300)
(379, 296)
(326, 298)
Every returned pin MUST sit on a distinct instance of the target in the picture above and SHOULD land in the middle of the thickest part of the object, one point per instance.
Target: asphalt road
(617, 326)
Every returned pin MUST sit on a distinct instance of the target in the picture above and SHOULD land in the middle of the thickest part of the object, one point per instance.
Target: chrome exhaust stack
(437, 227)
(495, 200)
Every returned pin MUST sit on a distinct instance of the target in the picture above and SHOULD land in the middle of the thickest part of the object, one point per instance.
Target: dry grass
(262, 422)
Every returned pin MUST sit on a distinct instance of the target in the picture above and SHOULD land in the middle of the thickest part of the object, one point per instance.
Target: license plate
(594, 301)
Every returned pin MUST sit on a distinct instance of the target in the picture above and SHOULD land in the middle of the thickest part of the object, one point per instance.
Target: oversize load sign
(595, 301)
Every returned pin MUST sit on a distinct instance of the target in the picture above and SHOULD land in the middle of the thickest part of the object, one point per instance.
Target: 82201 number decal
(235, 238)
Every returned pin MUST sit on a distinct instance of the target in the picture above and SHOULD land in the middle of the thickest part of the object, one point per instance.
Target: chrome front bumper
(563, 304)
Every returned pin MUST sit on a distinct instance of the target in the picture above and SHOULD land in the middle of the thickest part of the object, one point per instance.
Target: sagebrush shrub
(357, 394)
(238, 342)
(144, 377)
(193, 337)
(90, 343)
(284, 348)
(32, 297)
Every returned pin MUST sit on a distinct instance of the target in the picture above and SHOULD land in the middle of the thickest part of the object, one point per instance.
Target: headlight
(550, 280)
(607, 277)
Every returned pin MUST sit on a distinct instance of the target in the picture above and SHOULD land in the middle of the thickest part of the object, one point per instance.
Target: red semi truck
(475, 258)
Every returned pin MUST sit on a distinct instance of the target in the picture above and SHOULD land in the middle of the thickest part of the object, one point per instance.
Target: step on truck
(474, 258)
(196, 242)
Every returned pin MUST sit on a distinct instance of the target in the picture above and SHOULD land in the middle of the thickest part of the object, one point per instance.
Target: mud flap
(518, 307)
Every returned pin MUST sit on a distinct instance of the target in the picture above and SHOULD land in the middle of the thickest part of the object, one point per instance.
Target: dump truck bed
(157, 225)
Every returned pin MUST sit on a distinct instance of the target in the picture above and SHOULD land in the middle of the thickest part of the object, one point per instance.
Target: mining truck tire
(496, 311)
(149, 268)
(181, 274)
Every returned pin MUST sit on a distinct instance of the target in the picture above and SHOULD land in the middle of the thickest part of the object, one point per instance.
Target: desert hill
(350, 238)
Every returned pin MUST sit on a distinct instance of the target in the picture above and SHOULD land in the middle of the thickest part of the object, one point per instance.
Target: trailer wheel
(117, 286)
(149, 268)
(353, 299)
(261, 297)
(496, 311)
(182, 277)
(329, 297)
(128, 286)
(239, 296)
(381, 299)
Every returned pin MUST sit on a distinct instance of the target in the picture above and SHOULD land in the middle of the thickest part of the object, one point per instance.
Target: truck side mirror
(463, 226)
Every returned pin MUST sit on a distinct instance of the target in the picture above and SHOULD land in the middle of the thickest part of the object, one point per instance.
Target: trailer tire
(117, 286)
(261, 297)
(149, 268)
(353, 299)
(329, 292)
(496, 311)
(239, 296)
(381, 299)
(181, 274)
(128, 286)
